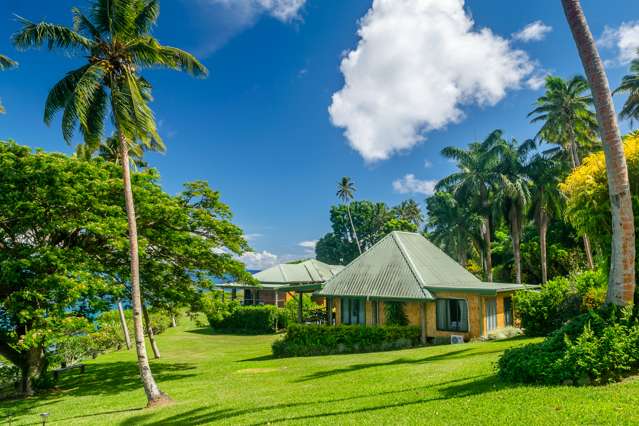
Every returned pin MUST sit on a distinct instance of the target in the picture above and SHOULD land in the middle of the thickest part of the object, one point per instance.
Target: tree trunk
(588, 250)
(514, 236)
(125, 328)
(174, 323)
(350, 218)
(543, 230)
(489, 257)
(150, 333)
(621, 281)
(153, 393)
(31, 368)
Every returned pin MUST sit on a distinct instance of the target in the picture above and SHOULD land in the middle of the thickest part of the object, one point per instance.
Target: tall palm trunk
(153, 393)
(125, 328)
(488, 259)
(515, 232)
(543, 230)
(150, 333)
(576, 162)
(621, 281)
(350, 219)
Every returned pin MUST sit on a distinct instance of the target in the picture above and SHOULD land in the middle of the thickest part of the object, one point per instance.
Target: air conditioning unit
(456, 339)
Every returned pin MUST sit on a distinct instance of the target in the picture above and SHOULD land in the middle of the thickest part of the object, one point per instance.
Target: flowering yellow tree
(586, 190)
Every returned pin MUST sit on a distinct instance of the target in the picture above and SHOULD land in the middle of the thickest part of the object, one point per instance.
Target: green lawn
(233, 380)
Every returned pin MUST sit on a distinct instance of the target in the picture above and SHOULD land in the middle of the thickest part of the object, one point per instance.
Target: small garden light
(44, 417)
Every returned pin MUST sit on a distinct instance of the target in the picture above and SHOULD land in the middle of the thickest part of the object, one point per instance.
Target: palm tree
(5, 64)
(621, 280)
(546, 200)
(630, 85)
(567, 119)
(109, 150)
(473, 181)
(346, 192)
(514, 196)
(115, 39)
(409, 211)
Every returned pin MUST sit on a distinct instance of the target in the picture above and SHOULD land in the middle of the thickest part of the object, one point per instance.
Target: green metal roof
(405, 265)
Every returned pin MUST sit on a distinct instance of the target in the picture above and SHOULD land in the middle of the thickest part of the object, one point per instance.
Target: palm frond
(52, 35)
(7, 63)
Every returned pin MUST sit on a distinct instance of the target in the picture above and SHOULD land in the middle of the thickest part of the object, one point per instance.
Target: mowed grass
(234, 380)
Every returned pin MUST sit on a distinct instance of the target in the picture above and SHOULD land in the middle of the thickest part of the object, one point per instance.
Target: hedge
(308, 340)
(250, 320)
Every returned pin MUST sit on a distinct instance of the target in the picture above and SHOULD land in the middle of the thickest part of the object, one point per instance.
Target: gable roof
(405, 265)
(307, 272)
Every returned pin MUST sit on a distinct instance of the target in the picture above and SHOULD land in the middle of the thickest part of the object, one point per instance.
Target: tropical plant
(346, 192)
(5, 64)
(115, 38)
(621, 281)
(409, 211)
(568, 122)
(630, 84)
(473, 181)
(514, 195)
(546, 200)
(109, 150)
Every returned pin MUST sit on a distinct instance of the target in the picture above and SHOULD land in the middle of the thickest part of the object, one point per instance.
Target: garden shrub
(307, 340)
(248, 319)
(311, 311)
(560, 300)
(598, 347)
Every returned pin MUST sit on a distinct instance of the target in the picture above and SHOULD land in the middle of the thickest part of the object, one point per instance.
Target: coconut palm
(109, 150)
(473, 181)
(621, 280)
(630, 85)
(567, 120)
(5, 64)
(514, 195)
(546, 200)
(346, 192)
(409, 211)
(114, 37)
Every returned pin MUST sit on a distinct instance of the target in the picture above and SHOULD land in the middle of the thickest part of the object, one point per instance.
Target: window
(452, 315)
(352, 311)
(508, 311)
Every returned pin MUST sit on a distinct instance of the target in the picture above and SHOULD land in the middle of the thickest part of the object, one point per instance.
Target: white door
(491, 314)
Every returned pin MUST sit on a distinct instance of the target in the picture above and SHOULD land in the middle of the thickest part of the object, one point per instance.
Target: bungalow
(436, 293)
(279, 283)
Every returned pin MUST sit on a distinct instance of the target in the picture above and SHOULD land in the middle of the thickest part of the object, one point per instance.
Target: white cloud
(409, 184)
(284, 10)
(535, 31)
(252, 237)
(309, 245)
(537, 80)
(624, 40)
(259, 260)
(416, 64)
(428, 164)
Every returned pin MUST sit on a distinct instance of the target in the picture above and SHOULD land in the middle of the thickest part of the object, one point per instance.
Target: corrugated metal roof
(384, 271)
(405, 265)
(309, 271)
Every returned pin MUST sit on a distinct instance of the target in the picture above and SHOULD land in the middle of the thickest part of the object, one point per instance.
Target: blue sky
(259, 128)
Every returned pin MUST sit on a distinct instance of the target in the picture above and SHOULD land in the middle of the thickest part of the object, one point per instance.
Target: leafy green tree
(473, 181)
(5, 64)
(116, 40)
(346, 193)
(452, 225)
(630, 85)
(568, 121)
(514, 191)
(621, 282)
(546, 200)
(410, 211)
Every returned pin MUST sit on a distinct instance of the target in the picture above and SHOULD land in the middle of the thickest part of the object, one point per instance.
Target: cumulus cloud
(259, 260)
(284, 10)
(252, 237)
(409, 184)
(623, 40)
(416, 64)
(309, 245)
(537, 80)
(535, 31)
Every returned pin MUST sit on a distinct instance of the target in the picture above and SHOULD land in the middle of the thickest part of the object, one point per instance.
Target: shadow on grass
(458, 354)
(208, 331)
(259, 358)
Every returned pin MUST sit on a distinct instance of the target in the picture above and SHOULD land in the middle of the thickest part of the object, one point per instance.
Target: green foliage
(310, 309)
(600, 346)
(395, 314)
(232, 318)
(307, 340)
(372, 221)
(559, 300)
